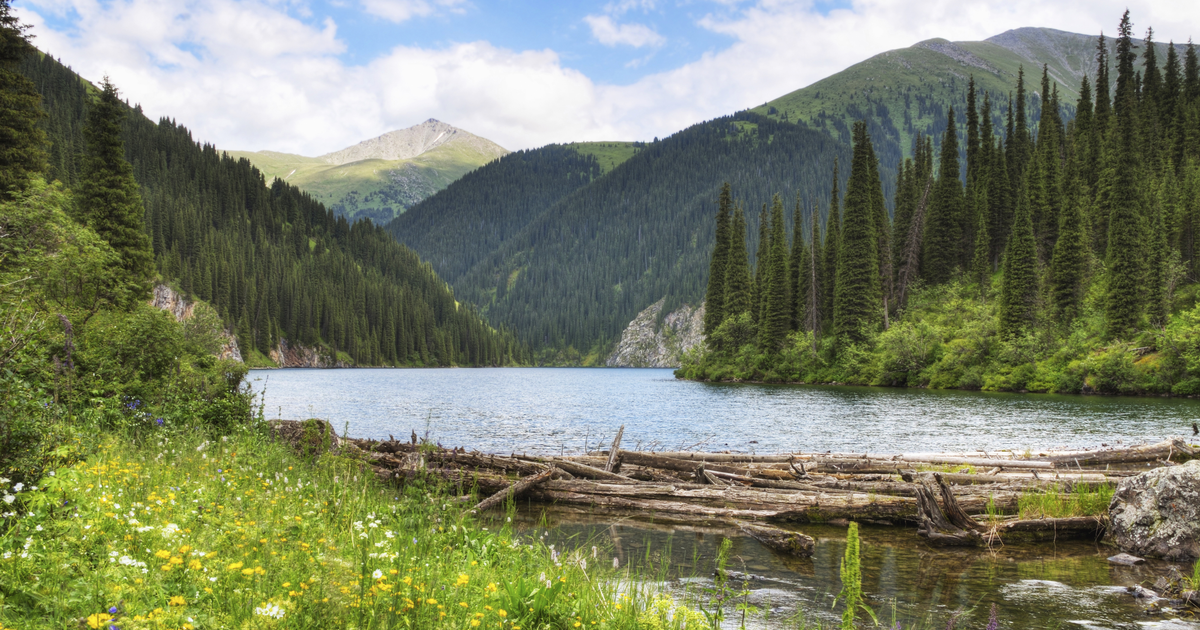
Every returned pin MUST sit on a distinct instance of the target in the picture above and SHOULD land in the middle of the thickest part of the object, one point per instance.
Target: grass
(1052, 503)
(183, 530)
(609, 154)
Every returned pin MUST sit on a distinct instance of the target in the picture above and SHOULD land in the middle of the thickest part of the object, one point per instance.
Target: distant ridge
(405, 144)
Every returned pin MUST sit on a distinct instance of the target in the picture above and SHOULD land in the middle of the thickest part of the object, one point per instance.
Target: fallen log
(1051, 529)
(782, 540)
(1166, 450)
(515, 490)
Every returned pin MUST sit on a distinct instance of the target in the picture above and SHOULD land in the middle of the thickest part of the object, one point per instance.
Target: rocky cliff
(286, 355)
(168, 299)
(645, 343)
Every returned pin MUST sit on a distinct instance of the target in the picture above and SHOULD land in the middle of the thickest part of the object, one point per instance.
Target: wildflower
(431, 601)
(502, 612)
(177, 600)
(378, 575)
(98, 620)
(462, 580)
(234, 567)
(993, 621)
(270, 610)
(8, 498)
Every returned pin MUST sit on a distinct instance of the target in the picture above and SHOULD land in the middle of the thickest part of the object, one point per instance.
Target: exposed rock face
(286, 355)
(1157, 513)
(168, 299)
(644, 344)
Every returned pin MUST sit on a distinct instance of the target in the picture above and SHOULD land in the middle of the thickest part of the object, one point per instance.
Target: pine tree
(857, 294)
(1067, 266)
(973, 133)
(1103, 107)
(714, 299)
(22, 141)
(1020, 135)
(737, 271)
(777, 300)
(796, 275)
(833, 231)
(812, 273)
(1123, 304)
(1019, 287)
(981, 262)
(108, 199)
(1156, 280)
(942, 243)
(758, 290)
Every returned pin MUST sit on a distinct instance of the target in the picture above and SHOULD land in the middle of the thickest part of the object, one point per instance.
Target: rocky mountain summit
(405, 144)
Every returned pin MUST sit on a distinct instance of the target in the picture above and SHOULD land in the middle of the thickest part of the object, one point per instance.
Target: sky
(315, 76)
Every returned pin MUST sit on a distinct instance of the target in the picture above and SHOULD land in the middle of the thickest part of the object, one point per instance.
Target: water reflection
(1033, 586)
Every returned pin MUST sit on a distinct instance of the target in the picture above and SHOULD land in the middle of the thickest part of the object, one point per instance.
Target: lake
(565, 410)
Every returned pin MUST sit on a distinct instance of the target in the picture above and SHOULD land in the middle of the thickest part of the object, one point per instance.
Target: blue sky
(313, 76)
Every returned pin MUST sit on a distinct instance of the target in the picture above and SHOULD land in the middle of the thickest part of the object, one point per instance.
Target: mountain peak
(404, 144)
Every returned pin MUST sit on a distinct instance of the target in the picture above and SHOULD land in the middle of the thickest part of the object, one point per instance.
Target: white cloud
(610, 33)
(402, 10)
(248, 74)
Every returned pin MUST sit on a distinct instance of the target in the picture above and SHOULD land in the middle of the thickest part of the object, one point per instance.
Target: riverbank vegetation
(1066, 263)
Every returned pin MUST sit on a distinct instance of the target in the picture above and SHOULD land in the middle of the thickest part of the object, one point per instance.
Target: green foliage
(1055, 502)
(22, 152)
(851, 573)
(777, 299)
(856, 309)
(714, 298)
(1019, 287)
(942, 246)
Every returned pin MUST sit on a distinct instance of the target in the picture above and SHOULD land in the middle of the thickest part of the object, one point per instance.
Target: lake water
(549, 410)
(560, 410)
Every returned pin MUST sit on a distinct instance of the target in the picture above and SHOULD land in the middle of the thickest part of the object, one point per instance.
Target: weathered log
(782, 540)
(588, 472)
(935, 527)
(515, 490)
(615, 451)
(1045, 529)
(953, 511)
(1166, 450)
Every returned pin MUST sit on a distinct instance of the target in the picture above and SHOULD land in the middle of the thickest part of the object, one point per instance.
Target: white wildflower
(377, 574)
(270, 610)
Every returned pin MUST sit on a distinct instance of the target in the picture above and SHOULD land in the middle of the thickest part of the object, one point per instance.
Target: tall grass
(1052, 502)
(187, 531)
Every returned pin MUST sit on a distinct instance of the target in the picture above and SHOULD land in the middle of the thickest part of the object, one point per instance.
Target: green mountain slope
(274, 262)
(382, 177)
(479, 213)
(580, 267)
(903, 92)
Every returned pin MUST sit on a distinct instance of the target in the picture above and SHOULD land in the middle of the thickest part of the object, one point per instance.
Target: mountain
(903, 92)
(281, 270)
(566, 254)
(381, 177)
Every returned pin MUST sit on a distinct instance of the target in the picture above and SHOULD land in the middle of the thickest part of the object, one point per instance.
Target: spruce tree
(1123, 304)
(108, 199)
(737, 271)
(1067, 266)
(1019, 287)
(942, 248)
(833, 231)
(1156, 273)
(857, 293)
(904, 204)
(797, 258)
(22, 141)
(777, 300)
(757, 291)
(973, 135)
(714, 298)
(1020, 137)
(812, 274)
(1103, 107)
(981, 261)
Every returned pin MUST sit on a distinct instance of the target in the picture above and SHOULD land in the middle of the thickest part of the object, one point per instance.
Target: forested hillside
(1067, 262)
(477, 214)
(583, 268)
(909, 92)
(274, 262)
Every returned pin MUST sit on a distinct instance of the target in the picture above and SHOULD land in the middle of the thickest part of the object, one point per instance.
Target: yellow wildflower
(502, 613)
(176, 600)
(98, 620)
(234, 567)
(462, 579)
(162, 553)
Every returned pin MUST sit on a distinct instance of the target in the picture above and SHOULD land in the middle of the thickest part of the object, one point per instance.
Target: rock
(778, 539)
(167, 299)
(1157, 513)
(647, 344)
(287, 355)
(1125, 559)
(1141, 592)
(307, 437)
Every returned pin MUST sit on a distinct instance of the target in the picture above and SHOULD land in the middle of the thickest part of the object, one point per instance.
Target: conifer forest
(1059, 256)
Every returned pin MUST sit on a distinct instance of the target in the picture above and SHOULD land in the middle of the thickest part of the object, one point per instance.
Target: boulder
(1157, 513)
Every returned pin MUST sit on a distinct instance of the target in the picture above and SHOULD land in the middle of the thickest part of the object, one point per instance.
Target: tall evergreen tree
(797, 259)
(1019, 287)
(857, 294)
(981, 261)
(811, 282)
(1067, 266)
(1020, 137)
(1123, 304)
(737, 271)
(758, 290)
(973, 135)
(108, 199)
(942, 243)
(1103, 104)
(833, 231)
(777, 299)
(22, 141)
(1156, 272)
(714, 298)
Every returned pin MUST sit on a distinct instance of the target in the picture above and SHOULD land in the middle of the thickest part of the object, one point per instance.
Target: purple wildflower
(993, 621)
(112, 610)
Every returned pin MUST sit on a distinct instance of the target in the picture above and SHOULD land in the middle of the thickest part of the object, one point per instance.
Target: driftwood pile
(946, 495)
